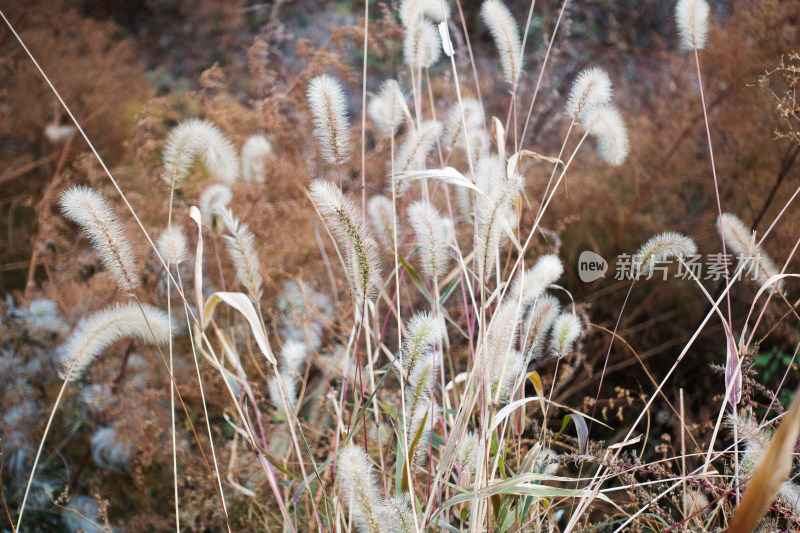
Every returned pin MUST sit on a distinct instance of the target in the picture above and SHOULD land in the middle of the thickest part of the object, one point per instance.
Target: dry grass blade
(771, 472)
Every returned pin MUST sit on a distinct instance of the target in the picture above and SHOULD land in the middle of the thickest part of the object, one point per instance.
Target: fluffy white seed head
(607, 125)
(566, 330)
(505, 33)
(692, 19)
(418, 144)
(412, 11)
(433, 237)
(741, 242)
(467, 452)
(255, 151)
(422, 46)
(591, 88)
(662, 247)
(425, 331)
(386, 109)
(454, 136)
(547, 270)
(109, 450)
(380, 212)
(90, 210)
(328, 106)
(100, 330)
(358, 488)
(214, 198)
(241, 245)
(172, 245)
(537, 323)
(492, 217)
(196, 137)
(344, 220)
(400, 517)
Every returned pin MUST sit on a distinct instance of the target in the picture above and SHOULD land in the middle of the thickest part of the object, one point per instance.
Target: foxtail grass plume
(242, 249)
(662, 247)
(412, 11)
(400, 514)
(537, 324)
(454, 133)
(591, 88)
(293, 355)
(387, 108)
(425, 332)
(606, 124)
(422, 46)
(505, 33)
(741, 241)
(344, 220)
(89, 209)
(566, 330)
(467, 452)
(197, 137)
(433, 237)
(358, 488)
(172, 245)
(328, 106)
(255, 151)
(381, 213)
(501, 362)
(214, 198)
(692, 19)
(96, 333)
(547, 270)
(418, 144)
(418, 390)
(491, 217)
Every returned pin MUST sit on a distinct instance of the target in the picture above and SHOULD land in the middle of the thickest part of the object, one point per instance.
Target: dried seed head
(433, 237)
(386, 109)
(606, 124)
(255, 151)
(412, 11)
(358, 488)
(664, 246)
(692, 19)
(172, 245)
(505, 32)
(242, 249)
(566, 330)
(195, 137)
(328, 106)
(741, 241)
(418, 144)
(214, 198)
(591, 88)
(381, 212)
(422, 46)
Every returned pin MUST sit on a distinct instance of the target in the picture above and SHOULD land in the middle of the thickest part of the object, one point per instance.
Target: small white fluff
(386, 109)
(592, 87)
(692, 19)
(433, 237)
(96, 333)
(566, 330)
(607, 125)
(172, 245)
(90, 210)
(381, 212)
(255, 151)
(418, 144)
(215, 197)
(741, 241)
(241, 245)
(328, 105)
(358, 488)
(344, 220)
(109, 451)
(412, 11)
(662, 247)
(422, 46)
(195, 137)
(505, 33)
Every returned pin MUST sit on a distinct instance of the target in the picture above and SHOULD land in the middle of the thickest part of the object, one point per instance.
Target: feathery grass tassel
(454, 135)
(399, 515)
(425, 331)
(566, 330)
(418, 144)
(505, 33)
(661, 247)
(195, 137)
(380, 212)
(359, 489)
(242, 249)
(96, 333)
(214, 198)
(692, 19)
(360, 249)
(741, 241)
(90, 210)
(433, 235)
(606, 124)
(172, 245)
(537, 323)
(387, 110)
(592, 87)
(255, 151)
(412, 11)
(422, 46)
(490, 223)
(328, 106)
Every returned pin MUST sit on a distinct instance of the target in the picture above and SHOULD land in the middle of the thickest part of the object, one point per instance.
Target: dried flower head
(591, 88)
(345, 221)
(741, 241)
(172, 245)
(359, 489)
(606, 124)
(328, 106)
(418, 144)
(195, 137)
(422, 46)
(255, 151)
(662, 247)
(692, 19)
(566, 330)
(90, 210)
(387, 108)
(454, 133)
(425, 331)
(505, 33)
(97, 332)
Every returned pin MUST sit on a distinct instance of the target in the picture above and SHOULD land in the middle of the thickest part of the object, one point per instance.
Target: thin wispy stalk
(90, 210)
